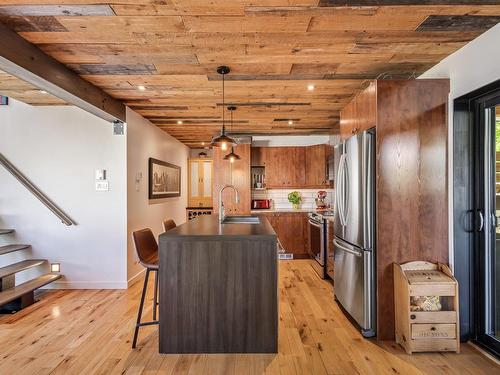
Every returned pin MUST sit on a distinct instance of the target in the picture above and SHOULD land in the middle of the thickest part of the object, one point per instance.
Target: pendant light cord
(223, 106)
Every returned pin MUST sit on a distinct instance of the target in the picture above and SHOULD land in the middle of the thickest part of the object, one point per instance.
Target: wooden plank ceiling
(275, 49)
(23, 91)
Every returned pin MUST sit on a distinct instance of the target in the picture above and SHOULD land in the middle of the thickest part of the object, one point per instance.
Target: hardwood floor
(89, 332)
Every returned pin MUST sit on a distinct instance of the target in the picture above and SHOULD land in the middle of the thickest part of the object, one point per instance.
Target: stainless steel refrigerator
(354, 229)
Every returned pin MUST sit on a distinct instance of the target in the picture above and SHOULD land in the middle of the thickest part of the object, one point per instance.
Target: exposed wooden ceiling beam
(25, 61)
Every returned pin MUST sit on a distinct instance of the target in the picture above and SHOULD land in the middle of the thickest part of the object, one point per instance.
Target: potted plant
(295, 199)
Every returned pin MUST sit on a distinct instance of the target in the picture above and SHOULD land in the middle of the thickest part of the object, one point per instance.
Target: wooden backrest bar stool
(169, 224)
(146, 249)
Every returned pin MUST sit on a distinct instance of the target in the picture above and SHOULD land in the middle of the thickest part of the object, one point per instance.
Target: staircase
(16, 297)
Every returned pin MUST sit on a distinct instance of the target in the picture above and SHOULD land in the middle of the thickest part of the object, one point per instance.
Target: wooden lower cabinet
(292, 231)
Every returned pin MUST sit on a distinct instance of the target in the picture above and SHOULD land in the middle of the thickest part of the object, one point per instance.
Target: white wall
(59, 148)
(145, 140)
(471, 67)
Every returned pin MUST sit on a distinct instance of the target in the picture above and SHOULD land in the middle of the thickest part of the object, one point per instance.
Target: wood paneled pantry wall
(411, 176)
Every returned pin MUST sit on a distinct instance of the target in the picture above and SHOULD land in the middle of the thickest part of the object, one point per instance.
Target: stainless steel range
(318, 241)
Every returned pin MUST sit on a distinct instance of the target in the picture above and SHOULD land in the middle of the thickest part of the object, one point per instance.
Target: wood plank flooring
(89, 332)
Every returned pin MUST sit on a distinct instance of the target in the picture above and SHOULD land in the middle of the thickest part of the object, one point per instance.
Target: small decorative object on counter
(295, 199)
(321, 199)
(426, 307)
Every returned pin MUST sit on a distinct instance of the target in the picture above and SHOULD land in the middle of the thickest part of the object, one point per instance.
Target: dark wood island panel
(219, 292)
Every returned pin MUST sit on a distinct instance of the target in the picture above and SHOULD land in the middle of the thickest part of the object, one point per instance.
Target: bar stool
(169, 224)
(146, 249)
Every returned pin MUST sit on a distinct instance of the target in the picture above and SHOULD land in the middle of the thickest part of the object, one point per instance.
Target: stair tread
(11, 294)
(11, 248)
(6, 231)
(20, 266)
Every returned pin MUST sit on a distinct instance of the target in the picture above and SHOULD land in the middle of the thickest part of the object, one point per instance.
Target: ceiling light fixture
(203, 143)
(223, 141)
(179, 122)
(290, 122)
(310, 87)
(232, 156)
(141, 88)
(43, 92)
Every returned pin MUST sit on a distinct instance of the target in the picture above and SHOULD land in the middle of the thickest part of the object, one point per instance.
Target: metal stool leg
(155, 299)
(141, 305)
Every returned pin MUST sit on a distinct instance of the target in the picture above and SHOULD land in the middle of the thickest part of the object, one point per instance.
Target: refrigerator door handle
(340, 190)
(351, 251)
(345, 209)
(368, 204)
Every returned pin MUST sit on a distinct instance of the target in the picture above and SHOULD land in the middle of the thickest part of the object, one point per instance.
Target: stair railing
(35, 191)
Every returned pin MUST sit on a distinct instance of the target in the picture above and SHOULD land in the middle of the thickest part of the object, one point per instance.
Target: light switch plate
(100, 174)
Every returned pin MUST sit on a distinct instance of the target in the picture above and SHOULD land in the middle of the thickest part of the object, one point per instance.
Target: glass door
(488, 226)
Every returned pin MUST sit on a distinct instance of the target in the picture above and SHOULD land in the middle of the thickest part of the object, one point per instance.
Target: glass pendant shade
(222, 141)
(232, 156)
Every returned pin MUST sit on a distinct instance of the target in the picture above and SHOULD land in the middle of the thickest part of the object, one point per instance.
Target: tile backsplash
(280, 197)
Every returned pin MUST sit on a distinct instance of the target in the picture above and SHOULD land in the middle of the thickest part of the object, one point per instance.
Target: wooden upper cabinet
(316, 166)
(200, 182)
(293, 167)
(237, 174)
(258, 157)
(360, 114)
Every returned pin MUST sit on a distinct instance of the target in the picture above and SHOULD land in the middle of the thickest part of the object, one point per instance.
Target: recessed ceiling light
(141, 88)
(290, 122)
(310, 87)
(43, 92)
(179, 122)
(203, 143)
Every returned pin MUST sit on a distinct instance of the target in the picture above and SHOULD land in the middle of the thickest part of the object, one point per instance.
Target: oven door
(316, 241)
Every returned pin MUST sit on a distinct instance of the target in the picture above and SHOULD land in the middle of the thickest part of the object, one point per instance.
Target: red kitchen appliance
(261, 204)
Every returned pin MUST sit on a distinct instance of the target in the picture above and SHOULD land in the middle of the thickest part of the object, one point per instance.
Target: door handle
(481, 221)
(354, 252)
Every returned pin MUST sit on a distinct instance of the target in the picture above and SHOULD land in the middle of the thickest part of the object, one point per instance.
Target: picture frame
(164, 179)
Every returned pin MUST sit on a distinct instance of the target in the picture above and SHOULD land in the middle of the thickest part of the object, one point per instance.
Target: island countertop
(209, 226)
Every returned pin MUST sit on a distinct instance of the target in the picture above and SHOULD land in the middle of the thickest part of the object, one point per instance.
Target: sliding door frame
(472, 211)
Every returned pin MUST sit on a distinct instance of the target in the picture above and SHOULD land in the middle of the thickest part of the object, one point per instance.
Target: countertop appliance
(263, 204)
(318, 237)
(354, 228)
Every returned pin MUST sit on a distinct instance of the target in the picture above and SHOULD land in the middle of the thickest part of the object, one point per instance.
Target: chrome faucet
(222, 213)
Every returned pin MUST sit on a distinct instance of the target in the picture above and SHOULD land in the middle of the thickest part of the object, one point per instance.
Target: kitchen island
(218, 288)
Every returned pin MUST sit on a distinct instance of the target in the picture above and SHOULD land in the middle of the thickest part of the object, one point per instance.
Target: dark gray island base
(218, 288)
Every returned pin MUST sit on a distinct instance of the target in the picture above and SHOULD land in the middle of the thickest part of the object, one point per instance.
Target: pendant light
(232, 156)
(223, 141)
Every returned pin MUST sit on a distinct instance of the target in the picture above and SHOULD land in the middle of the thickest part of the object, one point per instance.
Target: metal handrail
(35, 191)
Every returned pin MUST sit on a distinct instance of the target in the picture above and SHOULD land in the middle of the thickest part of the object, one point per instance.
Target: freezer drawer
(354, 284)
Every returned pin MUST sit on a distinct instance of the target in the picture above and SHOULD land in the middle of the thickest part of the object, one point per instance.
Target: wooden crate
(426, 331)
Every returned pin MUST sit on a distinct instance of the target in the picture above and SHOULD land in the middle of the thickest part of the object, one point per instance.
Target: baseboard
(135, 278)
(86, 285)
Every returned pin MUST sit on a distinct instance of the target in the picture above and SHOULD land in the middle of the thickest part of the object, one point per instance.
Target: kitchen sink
(241, 220)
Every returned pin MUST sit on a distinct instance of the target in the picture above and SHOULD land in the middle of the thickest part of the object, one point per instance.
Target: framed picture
(4, 100)
(164, 179)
